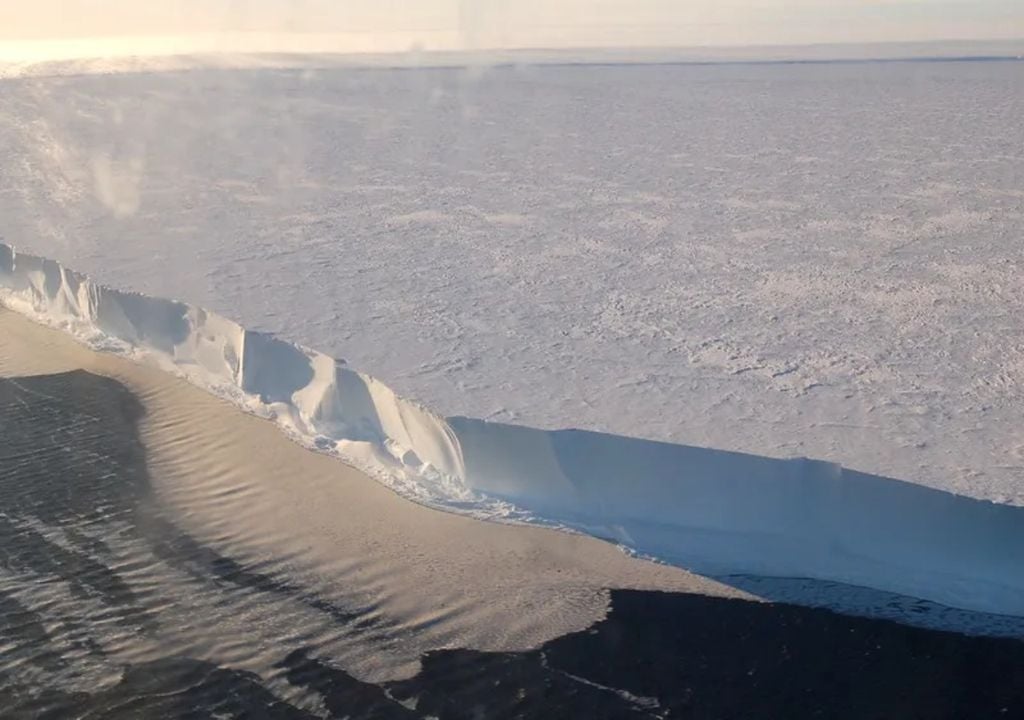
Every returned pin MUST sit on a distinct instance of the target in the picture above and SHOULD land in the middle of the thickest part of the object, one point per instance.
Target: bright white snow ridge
(712, 511)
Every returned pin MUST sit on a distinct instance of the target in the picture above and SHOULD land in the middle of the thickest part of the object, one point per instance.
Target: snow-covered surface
(815, 260)
(120, 54)
(712, 511)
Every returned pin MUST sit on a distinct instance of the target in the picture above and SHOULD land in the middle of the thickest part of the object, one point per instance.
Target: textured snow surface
(712, 511)
(821, 260)
(816, 260)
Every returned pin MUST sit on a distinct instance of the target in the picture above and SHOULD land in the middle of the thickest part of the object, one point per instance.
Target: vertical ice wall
(708, 510)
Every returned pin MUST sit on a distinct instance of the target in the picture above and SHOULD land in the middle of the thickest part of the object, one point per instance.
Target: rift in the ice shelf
(712, 511)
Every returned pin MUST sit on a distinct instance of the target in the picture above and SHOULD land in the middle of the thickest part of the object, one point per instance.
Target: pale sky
(469, 24)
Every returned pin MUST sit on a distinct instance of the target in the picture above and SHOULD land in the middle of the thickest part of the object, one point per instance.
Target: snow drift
(712, 511)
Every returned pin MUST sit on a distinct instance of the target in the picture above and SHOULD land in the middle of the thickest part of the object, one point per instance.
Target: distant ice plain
(812, 260)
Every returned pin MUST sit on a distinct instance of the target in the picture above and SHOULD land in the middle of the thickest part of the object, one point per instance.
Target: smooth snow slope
(711, 511)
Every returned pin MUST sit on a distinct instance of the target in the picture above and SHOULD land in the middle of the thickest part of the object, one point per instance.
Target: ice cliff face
(711, 511)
